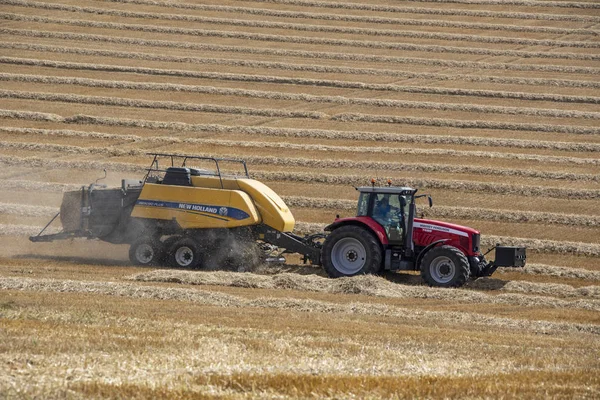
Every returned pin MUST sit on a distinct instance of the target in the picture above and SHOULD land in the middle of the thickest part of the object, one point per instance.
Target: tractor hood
(427, 231)
(433, 226)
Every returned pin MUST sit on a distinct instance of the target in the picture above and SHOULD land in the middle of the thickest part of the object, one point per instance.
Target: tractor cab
(390, 208)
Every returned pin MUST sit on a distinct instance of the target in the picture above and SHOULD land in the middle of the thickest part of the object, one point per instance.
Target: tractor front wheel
(445, 266)
(351, 250)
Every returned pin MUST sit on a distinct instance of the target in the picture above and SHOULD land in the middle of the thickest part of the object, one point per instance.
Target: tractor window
(390, 211)
(363, 205)
(382, 208)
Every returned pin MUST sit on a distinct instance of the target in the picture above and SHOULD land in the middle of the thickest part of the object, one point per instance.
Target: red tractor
(386, 236)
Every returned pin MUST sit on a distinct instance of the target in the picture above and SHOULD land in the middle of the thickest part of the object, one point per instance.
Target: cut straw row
(304, 177)
(464, 124)
(303, 147)
(376, 19)
(433, 11)
(557, 271)
(309, 40)
(307, 27)
(379, 287)
(535, 245)
(320, 55)
(471, 213)
(319, 164)
(363, 285)
(282, 113)
(163, 105)
(300, 133)
(303, 97)
(341, 84)
(302, 68)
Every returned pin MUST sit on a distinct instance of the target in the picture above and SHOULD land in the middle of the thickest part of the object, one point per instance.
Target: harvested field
(370, 44)
(379, 287)
(550, 270)
(281, 66)
(490, 106)
(289, 96)
(120, 40)
(303, 27)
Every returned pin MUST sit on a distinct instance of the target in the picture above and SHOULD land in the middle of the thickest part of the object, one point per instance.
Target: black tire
(445, 266)
(184, 253)
(145, 251)
(351, 250)
(166, 248)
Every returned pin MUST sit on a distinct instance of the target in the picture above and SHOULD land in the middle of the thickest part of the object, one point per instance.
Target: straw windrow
(376, 19)
(283, 113)
(302, 147)
(338, 179)
(164, 105)
(367, 136)
(368, 44)
(226, 300)
(434, 11)
(316, 163)
(307, 27)
(301, 67)
(308, 98)
(303, 133)
(301, 53)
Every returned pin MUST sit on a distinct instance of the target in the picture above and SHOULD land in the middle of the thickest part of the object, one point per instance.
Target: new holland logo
(229, 212)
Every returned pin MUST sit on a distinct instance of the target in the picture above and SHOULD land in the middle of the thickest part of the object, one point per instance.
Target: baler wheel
(185, 253)
(145, 251)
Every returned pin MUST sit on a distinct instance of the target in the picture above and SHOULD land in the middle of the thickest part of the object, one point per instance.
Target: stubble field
(490, 106)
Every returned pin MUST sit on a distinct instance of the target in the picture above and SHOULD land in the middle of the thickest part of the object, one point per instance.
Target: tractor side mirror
(428, 199)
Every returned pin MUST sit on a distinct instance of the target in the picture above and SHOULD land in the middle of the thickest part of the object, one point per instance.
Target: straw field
(490, 106)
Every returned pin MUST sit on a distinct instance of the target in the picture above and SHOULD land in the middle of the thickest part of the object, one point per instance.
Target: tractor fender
(426, 249)
(365, 222)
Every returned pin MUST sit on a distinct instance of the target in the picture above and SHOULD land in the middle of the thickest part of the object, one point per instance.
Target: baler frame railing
(188, 157)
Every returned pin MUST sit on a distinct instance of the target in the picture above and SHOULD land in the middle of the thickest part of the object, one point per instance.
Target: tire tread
(372, 246)
(461, 264)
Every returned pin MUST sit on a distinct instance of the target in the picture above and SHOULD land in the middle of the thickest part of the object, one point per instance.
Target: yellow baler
(185, 216)
(241, 202)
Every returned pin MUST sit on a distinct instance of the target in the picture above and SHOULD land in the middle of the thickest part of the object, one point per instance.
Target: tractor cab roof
(387, 190)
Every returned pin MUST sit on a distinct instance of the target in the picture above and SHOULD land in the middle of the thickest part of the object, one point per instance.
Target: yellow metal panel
(271, 207)
(196, 207)
(214, 182)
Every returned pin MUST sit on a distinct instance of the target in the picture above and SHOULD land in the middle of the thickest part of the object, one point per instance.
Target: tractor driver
(384, 214)
(382, 208)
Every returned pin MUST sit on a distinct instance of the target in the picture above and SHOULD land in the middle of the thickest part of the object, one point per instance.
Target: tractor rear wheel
(145, 251)
(184, 253)
(351, 250)
(445, 266)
